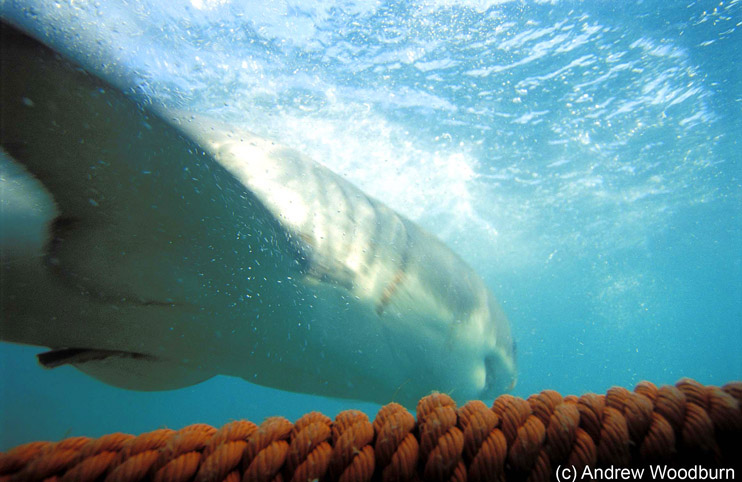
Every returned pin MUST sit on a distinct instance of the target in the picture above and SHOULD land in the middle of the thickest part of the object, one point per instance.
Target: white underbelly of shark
(154, 250)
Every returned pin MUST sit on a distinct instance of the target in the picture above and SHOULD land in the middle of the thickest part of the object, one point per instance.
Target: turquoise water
(583, 157)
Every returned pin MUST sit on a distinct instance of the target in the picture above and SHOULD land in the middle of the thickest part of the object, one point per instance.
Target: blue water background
(583, 156)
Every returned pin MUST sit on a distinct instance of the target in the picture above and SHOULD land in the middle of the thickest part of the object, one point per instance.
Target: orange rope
(682, 425)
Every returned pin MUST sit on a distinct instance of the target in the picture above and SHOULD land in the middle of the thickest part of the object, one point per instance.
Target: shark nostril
(499, 377)
(490, 374)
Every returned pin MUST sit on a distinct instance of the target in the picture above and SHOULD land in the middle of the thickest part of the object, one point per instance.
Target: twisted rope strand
(683, 425)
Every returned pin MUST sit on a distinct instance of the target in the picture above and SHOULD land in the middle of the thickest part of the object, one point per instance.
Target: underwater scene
(582, 158)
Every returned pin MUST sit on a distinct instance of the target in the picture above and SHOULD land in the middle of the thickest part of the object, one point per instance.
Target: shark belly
(156, 250)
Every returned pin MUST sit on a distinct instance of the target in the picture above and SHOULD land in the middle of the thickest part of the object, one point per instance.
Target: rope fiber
(685, 425)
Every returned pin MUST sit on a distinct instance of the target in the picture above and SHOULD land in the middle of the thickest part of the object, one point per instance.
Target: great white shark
(153, 250)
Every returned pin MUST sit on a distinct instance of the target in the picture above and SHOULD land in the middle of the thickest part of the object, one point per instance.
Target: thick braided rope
(685, 424)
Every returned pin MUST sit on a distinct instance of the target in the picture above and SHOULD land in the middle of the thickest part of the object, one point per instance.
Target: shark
(154, 249)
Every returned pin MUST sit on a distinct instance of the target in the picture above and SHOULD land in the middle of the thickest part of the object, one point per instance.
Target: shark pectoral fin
(133, 371)
(131, 195)
(73, 356)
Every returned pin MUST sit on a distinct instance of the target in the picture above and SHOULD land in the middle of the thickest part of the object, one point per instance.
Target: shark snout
(500, 375)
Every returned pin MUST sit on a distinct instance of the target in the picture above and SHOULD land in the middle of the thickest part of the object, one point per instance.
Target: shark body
(154, 251)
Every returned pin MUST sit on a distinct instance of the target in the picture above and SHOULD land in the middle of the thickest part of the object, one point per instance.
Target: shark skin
(153, 250)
